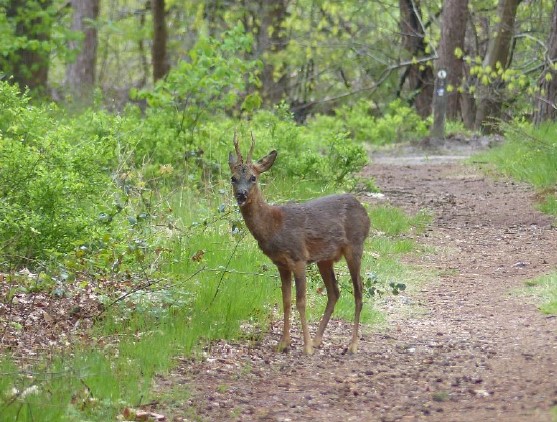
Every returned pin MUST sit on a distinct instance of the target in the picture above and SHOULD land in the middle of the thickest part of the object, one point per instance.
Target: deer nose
(241, 196)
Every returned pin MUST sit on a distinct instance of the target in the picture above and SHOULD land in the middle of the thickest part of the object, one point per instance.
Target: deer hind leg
(354, 261)
(328, 274)
(300, 279)
(286, 279)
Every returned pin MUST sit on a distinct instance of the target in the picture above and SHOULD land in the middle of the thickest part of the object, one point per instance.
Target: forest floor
(467, 348)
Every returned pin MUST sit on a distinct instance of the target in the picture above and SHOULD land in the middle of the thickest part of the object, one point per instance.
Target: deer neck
(261, 218)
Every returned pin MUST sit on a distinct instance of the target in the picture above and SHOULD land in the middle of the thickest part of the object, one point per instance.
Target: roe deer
(295, 235)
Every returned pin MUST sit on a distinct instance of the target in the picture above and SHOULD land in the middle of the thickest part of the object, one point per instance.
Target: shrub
(399, 123)
(52, 179)
(213, 81)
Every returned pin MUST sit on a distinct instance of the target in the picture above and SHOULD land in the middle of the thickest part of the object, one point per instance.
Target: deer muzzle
(241, 197)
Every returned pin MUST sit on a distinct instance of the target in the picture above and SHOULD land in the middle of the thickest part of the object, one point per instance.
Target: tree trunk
(160, 37)
(418, 81)
(453, 30)
(30, 67)
(271, 39)
(80, 75)
(490, 99)
(546, 106)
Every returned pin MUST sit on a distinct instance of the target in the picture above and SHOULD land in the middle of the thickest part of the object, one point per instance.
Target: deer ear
(266, 162)
(232, 161)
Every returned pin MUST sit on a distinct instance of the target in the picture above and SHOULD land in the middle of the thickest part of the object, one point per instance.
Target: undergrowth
(529, 154)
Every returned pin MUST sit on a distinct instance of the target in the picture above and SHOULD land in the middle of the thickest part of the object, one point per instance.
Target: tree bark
(271, 39)
(546, 104)
(453, 30)
(490, 99)
(80, 75)
(418, 81)
(160, 37)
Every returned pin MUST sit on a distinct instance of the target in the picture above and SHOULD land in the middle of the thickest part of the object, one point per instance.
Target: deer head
(245, 174)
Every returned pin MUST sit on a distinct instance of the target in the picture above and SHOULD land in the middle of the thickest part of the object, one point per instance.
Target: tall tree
(490, 99)
(450, 52)
(160, 37)
(271, 38)
(80, 74)
(418, 78)
(546, 104)
(29, 62)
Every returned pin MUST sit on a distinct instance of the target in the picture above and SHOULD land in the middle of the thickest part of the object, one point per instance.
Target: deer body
(295, 235)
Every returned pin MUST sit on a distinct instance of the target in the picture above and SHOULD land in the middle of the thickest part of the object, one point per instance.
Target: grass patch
(548, 205)
(393, 221)
(528, 155)
(545, 289)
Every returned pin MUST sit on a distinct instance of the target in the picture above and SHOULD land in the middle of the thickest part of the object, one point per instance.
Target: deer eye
(233, 179)
(253, 178)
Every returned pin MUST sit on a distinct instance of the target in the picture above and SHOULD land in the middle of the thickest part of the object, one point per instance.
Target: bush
(324, 156)
(53, 178)
(213, 81)
(399, 123)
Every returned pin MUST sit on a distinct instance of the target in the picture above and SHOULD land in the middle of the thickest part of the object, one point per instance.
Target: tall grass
(529, 154)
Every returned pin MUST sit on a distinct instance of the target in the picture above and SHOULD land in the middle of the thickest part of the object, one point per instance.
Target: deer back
(318, 230)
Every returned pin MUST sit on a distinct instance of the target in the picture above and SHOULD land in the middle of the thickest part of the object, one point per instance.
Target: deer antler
(251, 147)
(237, 148)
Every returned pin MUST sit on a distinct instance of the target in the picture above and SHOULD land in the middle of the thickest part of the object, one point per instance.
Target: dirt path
(473, 352)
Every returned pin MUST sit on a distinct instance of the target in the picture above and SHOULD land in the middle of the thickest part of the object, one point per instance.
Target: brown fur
(294, 235)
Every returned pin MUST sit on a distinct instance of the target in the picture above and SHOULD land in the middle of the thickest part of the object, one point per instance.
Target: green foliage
(374, 288)
(211, 82)
(529, 154)
(398, 123)
(549, 204)
(323, 156)
(35, 27)
(71, 201)
(53, 178)
(392, 221)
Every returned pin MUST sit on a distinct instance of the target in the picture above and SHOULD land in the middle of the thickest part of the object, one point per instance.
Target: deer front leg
(300, 279)
(286, 279)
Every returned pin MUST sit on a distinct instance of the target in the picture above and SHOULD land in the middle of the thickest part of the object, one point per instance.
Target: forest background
(116, 120)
